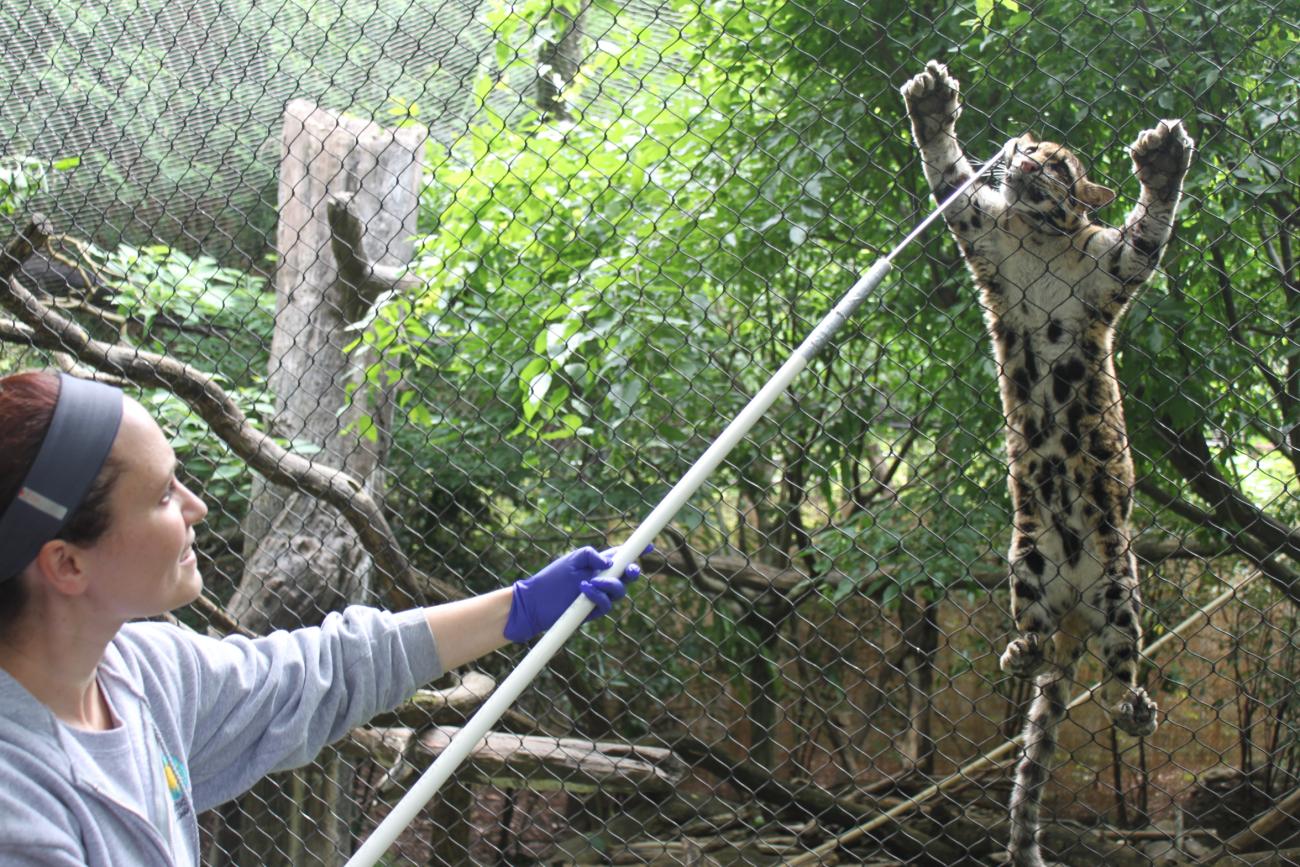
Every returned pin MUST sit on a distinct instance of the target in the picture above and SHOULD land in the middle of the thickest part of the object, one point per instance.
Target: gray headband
(73, 452)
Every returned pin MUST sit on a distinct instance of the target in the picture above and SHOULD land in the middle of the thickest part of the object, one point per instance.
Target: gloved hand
(540, 600)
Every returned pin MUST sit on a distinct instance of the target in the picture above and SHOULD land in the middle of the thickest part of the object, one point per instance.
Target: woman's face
(144, 564)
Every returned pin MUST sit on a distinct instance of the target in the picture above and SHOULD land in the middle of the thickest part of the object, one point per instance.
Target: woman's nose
(195, 509)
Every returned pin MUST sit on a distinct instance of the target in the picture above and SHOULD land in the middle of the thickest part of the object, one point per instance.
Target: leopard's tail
(1044, 719)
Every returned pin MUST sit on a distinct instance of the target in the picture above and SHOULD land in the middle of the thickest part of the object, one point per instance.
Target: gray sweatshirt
(201, 720)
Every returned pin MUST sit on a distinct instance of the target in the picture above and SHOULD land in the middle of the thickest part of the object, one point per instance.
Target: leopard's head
(1046, 182)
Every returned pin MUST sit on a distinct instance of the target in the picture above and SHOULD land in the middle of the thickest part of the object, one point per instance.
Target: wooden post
(349, 197)
(300, 562)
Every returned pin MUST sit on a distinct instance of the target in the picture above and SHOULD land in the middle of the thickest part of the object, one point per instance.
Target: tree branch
(16, 332)
(1190, 455)
(1287, 216)
(367, 279)
(1281, 395)
(219, 617)
(742, 574)
(32, 238)
(1283, 578)
(52, 331)
(1155, 550)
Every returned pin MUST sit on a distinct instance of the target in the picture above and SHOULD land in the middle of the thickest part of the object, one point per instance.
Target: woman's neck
(55, 655)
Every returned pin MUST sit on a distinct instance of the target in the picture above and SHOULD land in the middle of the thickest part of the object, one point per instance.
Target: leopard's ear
(1093, 195)
(1029, 138)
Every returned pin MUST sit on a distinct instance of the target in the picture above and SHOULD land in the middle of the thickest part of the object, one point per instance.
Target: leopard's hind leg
(1051, 699)
(1034, 584)
(1131, 709)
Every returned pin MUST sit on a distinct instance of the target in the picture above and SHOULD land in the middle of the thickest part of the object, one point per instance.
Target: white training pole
(531, 665)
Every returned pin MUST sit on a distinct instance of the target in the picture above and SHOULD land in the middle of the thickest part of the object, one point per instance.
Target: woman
(114, 735)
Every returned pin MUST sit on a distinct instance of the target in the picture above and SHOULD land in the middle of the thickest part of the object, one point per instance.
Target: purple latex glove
(540, 600)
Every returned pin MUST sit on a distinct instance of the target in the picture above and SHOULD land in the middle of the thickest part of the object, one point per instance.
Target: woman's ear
(61, 566)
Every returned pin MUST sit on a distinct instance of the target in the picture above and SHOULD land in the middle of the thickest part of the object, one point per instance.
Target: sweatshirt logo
(178, 779)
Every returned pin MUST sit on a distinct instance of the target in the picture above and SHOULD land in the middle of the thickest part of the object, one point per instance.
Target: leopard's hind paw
(1024, 656)
(1136, 714)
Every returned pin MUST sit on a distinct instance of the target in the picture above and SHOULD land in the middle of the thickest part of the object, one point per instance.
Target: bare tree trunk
(301, 561)
(449, 832)
(918, 618)
(559, 59)
(762, 709)
(348, 205)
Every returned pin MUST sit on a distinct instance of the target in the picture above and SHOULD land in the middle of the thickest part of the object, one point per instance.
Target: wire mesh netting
(514, 266)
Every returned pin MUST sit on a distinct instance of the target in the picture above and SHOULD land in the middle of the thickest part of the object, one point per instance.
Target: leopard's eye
(1030, 149)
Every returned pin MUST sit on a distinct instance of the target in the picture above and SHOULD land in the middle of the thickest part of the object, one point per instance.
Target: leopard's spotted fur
(1054, 285)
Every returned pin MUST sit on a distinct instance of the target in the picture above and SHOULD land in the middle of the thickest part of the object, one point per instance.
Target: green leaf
(538, 386)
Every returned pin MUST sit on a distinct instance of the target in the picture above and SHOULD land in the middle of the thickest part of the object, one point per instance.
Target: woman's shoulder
(152, 655)
(149, 639)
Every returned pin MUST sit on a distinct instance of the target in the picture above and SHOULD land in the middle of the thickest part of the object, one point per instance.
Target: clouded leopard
(1053, 287)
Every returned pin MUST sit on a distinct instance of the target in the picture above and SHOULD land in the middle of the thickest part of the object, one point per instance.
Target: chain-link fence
(513, 266)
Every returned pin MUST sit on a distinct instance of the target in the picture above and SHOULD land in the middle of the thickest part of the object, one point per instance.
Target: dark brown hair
(26, 406)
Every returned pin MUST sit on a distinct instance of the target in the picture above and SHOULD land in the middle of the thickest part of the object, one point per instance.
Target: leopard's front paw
(932, 100)
(1161, 155)
(1023, 656)
(1136, 714)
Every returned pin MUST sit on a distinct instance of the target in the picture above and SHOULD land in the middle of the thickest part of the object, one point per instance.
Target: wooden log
(1256, 836)
(809, 800)
(609, 766)
(1079, 846)
(661, 818)
(439, 705)
(1155, 834)
(1273, 858)
(658, 853)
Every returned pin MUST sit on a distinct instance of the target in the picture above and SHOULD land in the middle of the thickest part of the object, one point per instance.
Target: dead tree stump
(349, 196)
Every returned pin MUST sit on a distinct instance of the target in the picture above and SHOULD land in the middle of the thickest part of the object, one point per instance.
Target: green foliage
(22, 177)
(155, 281)
(220, 320)
(603, 295)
